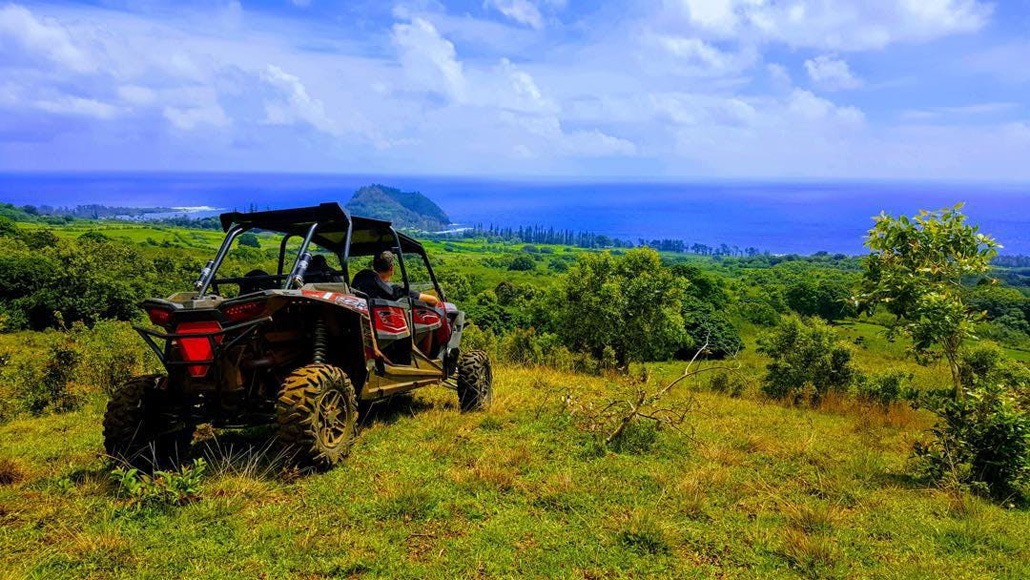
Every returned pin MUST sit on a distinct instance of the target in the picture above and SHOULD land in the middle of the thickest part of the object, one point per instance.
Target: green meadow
(744, 485)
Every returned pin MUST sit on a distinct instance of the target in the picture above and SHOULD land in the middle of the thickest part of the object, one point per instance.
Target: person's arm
(429, 299)
(422, 297)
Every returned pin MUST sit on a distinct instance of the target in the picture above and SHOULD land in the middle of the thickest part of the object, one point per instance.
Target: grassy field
(138, 234)
(746, 488)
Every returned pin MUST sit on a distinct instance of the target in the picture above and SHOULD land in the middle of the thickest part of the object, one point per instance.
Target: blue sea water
(780, 217)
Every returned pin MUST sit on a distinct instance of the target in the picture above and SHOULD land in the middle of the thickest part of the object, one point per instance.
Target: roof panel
(332, 226)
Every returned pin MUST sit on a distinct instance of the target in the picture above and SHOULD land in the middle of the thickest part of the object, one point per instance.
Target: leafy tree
(808, 360)
(39, 239)
(827, 299)
(703, 324)
(93, 236)
(7, 227)
(982, 441)
(522, 263)
(86, 281)
(249, 240)
(757, 307)
(915, 270)
(629, 305)
(1002, 305)
(556, 265)
(703, 286)
(456, 285)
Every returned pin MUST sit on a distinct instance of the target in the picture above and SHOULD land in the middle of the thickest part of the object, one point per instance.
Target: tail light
(390, 320)
(426, 316)
(159, 316)
(238, 312)
(199, 349)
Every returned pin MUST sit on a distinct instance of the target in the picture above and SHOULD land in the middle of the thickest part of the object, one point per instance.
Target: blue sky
(677, 89)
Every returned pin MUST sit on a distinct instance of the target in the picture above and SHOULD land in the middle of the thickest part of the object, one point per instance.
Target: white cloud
(295, 105)
(810, 107)
(76, 106)
(718, 16)
(972, 110)
(524, 12)
(831, 73)
(615, 91)
(137, 95)
(188, 119)
(23, 35)
(509, 87)
(843, 25)
(555, 139)
(429, 59)
(698, 52)
(595, 143)
(690, 56)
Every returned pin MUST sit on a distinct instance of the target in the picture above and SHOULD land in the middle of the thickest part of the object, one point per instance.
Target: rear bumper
(216, 339)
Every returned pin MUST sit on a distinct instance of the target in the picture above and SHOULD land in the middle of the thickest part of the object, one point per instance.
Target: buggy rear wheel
(317, 413)
(143, 431)
(475, 381)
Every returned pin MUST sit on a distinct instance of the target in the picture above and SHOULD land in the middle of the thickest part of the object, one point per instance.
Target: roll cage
(327, 226)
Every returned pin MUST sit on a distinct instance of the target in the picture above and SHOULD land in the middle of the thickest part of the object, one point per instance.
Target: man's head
(382, 263)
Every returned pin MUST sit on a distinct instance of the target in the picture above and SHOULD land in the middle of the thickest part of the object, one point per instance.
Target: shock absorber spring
(321, 345)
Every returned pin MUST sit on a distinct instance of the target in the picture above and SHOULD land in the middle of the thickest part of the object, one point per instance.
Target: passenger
(319, 271)
(375, 283)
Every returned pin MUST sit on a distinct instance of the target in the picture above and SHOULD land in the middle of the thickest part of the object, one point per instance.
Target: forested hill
(406, 209)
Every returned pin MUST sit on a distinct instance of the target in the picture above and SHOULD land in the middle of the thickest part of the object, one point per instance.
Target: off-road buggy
(297, 349)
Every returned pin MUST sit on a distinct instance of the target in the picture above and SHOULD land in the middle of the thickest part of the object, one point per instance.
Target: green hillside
(745, 485)
(406, 209)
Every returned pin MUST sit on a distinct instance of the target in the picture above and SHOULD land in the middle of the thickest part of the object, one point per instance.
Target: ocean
(780, 217)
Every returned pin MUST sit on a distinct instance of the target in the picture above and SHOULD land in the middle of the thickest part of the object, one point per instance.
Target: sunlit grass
(747, 488)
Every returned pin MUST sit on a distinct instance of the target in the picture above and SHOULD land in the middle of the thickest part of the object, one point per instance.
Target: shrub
(521, 347)
(979, 363)
(986, 364)
(162, 488)
(457, 286)
(722, 382)
(808, 361)
(476, 338)
(981, 441)
(45, 388)
(249, 240)
(109, 354)
(758, 312)
(886, 388)
(522, 263)
(826, 298)
(704, 324)
(557, 265)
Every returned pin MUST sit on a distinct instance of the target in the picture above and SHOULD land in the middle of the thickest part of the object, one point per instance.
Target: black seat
(319, 271)
(256, 281)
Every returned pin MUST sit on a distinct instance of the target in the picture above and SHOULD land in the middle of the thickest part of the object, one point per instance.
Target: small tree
(250, 240)
(629, 305)
(522, 263)
(808, 360)
(915, 270)
(706, 325)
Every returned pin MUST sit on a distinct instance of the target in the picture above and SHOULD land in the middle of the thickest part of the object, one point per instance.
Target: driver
(375, 283)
